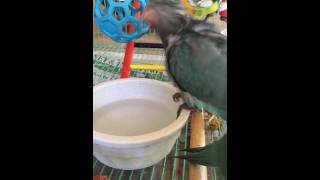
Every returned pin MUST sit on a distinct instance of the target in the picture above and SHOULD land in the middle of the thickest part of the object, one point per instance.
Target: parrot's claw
(176, 96)
(184, 106)
(181, 140)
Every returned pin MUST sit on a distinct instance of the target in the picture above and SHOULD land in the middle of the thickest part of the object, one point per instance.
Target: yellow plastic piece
(147, 67)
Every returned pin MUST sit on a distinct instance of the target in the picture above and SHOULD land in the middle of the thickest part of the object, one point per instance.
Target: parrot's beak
(148, 15)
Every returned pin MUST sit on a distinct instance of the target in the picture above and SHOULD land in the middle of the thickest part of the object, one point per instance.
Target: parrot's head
(165, 16)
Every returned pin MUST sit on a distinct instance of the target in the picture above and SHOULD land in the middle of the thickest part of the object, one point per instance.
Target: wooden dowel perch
(197, 139)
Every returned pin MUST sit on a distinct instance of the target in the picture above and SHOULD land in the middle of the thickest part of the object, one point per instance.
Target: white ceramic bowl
(134, 124)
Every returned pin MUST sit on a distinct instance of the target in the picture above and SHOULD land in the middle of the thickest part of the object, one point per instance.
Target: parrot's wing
(198, 63)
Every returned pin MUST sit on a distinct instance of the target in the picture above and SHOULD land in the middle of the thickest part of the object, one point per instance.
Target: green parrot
(196, 60)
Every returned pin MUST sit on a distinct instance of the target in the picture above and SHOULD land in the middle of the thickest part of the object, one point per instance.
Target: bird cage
(108, 62)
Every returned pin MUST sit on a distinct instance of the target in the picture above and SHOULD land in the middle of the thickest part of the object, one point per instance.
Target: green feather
(213, 154)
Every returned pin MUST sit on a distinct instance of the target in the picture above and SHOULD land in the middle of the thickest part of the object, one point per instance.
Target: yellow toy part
(147, 67)
(198, 12)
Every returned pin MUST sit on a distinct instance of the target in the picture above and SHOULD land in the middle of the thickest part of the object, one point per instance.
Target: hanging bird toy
(118, 19)
(200, 9)
(223, 11)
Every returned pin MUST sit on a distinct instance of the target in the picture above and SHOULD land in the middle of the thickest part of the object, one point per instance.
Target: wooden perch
(197, 139)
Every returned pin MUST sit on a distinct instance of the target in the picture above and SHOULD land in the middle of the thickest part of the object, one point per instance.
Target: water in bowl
(132, 117)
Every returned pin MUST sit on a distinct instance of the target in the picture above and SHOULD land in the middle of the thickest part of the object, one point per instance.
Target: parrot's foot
(186, 107)
(181, 140)
(177, 96)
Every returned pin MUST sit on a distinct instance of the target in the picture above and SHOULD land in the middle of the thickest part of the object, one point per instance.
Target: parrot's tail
(184, 149)
(179, 157)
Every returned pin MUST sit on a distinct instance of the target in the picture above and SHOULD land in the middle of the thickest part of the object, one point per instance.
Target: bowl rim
(147, 138)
